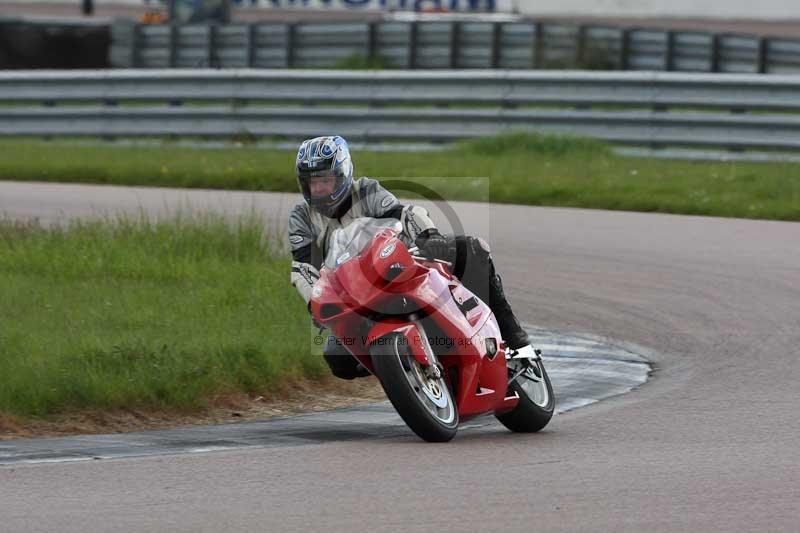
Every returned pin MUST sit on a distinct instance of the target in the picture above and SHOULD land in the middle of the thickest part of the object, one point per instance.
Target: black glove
(433, 244)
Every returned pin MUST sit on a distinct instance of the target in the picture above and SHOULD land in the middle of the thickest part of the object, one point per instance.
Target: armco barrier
(652, 109)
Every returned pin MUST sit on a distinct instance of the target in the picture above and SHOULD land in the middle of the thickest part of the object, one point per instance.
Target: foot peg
(526, 352)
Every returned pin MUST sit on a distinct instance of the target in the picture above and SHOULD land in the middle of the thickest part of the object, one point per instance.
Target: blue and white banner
(782, 11)
(457, 6)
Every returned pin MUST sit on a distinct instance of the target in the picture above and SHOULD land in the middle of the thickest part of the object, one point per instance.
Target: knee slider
(480, 248)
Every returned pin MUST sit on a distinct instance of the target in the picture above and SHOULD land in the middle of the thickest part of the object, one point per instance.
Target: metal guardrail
(650, 109)
(451, 44)
(498, 88)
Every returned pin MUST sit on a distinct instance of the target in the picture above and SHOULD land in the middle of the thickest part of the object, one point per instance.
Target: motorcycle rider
(333, 199)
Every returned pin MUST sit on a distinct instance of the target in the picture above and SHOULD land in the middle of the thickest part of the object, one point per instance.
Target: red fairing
(409, 331)
(386, 289)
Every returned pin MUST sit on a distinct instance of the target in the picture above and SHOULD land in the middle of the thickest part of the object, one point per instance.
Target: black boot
(510, 328)
(512, 331)
(342, 364)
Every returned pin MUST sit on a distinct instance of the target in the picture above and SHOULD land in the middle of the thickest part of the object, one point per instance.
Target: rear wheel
(536, 403)
(420, 396)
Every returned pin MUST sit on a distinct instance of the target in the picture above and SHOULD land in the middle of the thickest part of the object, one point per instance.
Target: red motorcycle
(434, 346)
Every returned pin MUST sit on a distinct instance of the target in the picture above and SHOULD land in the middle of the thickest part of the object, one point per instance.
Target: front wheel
(536, 403)
(421, 398)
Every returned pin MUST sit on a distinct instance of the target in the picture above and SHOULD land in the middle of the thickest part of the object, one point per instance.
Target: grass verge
(523, 169)
(143, 314)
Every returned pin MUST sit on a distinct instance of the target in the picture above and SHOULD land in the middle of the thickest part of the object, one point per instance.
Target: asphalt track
(709, 444)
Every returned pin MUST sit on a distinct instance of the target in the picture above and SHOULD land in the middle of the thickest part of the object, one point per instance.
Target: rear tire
(529, 416)
(424, 404)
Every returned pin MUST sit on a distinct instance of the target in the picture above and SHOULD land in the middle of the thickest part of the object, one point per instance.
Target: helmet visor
(321, 184)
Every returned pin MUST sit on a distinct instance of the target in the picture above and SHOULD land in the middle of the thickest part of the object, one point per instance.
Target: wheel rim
(531, 380)
(433, 394)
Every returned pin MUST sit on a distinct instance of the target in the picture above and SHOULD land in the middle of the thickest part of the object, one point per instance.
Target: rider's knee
(341, 362)
(480, 248)
(334, 347)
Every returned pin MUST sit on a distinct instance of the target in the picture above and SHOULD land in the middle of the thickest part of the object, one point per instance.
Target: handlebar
(414, 251)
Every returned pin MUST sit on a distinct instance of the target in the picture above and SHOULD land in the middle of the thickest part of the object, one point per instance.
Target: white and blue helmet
(325, 156)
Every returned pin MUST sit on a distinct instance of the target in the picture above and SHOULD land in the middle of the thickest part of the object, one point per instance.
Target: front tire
(424, 404)
(536, 400)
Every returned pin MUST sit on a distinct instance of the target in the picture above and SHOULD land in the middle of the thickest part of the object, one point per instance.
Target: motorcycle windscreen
(348, 242)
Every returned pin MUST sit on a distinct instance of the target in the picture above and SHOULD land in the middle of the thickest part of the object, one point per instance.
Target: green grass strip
(522, 169)
(134, 313)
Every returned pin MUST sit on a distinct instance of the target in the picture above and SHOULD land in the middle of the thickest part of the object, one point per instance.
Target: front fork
(528, 356)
